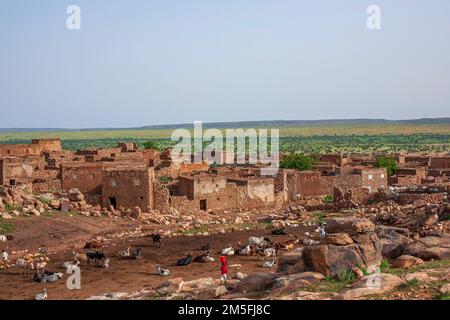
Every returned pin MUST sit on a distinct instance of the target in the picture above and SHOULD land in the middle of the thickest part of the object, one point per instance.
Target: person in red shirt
(223, 269)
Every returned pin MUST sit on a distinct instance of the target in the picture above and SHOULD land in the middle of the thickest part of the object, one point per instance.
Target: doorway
(203, 205)
(112, 202)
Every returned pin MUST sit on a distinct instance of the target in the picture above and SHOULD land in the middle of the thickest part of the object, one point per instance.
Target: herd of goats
(262, 247)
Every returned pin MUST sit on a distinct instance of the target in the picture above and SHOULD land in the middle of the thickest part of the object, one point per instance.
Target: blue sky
(175, 61)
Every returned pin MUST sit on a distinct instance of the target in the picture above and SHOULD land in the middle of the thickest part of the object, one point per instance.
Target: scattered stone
(6, 215)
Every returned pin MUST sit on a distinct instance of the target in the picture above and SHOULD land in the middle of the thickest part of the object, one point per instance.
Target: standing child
(223, 269)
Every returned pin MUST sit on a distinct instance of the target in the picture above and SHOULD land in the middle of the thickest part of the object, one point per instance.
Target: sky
(136, 62)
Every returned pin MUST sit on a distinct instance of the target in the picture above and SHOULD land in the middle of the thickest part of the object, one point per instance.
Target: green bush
(150, 145)
(296, 161)
(389, 163)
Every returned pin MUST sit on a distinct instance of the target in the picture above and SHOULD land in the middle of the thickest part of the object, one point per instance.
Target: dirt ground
(61, 235)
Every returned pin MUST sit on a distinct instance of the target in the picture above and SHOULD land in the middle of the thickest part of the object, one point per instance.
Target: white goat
(162, 272)
(24, 266)
(228, 251)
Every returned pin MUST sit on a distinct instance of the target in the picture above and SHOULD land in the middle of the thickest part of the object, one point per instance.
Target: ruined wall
(17, 170)
(404, 180)
(314, 184)
(337, 159)
(349, 198)
(260, 193)
(47, 145)
(86, 177)
(18, 150)
(47, 181)
(420, 172)
(186, 168)
(440, 163)
(373, 179)
(128, 187)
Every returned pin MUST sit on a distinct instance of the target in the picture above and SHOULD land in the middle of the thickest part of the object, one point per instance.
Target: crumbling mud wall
(128, 187)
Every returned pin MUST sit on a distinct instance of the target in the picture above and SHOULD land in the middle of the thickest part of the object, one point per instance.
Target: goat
(228, 251)
(136, 254)
(156, 238)
(40, 265)
(105, 264)
(185, 261)
(41, 296)
(259, 241)
(6, 238)
(44, 277)
(279, 232)
(244, 251)
(124, 253)
(204, 258)
(162, 272)
(24, 266)
(70, 264)
(206, 247)
(95, 256)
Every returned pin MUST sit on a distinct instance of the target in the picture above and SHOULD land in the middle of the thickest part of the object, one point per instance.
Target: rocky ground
(384, 250)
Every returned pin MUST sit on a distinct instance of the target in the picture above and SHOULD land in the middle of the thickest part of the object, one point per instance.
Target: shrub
(296, 161)
(150, 145)
(389, 163)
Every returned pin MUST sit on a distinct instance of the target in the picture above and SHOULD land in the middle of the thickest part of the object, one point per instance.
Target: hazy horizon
(160, 63)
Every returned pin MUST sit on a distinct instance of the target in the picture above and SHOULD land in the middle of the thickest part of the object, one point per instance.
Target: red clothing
(224, 269)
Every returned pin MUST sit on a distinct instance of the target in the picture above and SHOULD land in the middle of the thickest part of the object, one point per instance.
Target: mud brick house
(338, 159)
(186, 168)
(405, 180)
(408, 176)
(85, 176)
(128, 188)
(152, 157)
(417, 160)
(15, 170)
(373, 178)
(440, 163)
(208, 191)
(255, 192)
(37, 147)
(127, 146)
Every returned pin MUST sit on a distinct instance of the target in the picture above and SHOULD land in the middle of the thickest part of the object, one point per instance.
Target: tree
(389, 163)
(296, 161)
(150, 145)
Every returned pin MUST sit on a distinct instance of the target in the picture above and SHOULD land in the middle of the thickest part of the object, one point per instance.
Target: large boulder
(338, 239)
(332, 260)
(373, 284)
(393, 240)
(292, 262)
(428, 248)
(258, 282)
(358, 245)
